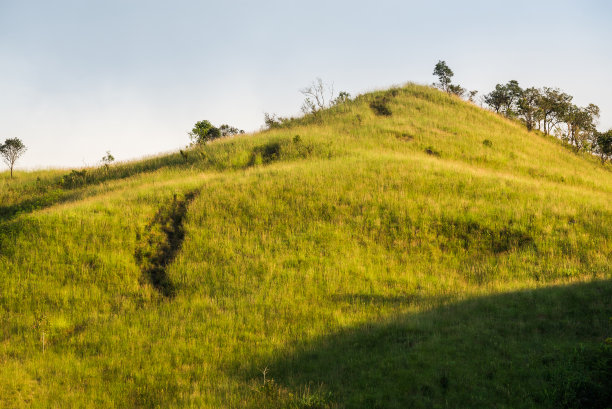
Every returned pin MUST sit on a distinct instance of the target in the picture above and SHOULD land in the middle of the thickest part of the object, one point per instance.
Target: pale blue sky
(78, 78)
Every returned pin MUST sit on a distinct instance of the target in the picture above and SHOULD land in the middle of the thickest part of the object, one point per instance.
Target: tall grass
(360, 270)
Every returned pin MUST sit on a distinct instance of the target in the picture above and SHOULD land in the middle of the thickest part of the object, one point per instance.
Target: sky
(79, 78)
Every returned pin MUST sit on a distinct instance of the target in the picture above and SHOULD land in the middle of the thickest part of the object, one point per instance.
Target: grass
(335, 251)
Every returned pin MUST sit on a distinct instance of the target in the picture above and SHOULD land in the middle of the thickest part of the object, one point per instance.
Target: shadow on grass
(388, 300)
(375, 299)
(540, 348)
(220, 157)
(73, 185)
(161, 241)
(9, 212)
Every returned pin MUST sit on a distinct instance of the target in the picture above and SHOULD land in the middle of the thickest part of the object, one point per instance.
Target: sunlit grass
(336, 252)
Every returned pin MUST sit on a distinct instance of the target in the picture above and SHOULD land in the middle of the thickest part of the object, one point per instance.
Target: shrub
(265, 154)
(272, 121)
(380, 107)
(204, 131)
(227, 130)
(342, 98)
(431, 151)
(75, 178)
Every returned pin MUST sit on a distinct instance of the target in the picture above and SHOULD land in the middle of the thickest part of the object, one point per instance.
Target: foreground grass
(365, 261)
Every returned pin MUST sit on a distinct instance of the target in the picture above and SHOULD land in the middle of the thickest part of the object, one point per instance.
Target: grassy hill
(432, 254)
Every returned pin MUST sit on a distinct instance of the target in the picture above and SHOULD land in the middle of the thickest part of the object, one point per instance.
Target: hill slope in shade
(439, 256)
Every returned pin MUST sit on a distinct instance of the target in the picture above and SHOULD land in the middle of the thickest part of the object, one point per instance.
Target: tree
(505, 98)
(227, 130)
(581, 126)
(603, 145)
(273, 121)
(552, 107)
(514, 93)
(444, 74)
(108, 159)
(318, 96)
(456, 89)
(528, 106)
(496, 98)
(343, 98)
(11, 150)
(203, 132)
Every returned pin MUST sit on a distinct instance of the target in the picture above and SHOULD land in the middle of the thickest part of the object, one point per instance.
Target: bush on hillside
(75, 178)
(204, 131)
(227, 130)
(431, 151)
(343, 98)
(380, 107)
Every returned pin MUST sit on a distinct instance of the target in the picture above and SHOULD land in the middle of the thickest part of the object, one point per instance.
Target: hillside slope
(358, 259)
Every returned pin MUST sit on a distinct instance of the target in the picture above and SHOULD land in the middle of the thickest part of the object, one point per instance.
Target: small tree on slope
(603, 145)
(444, 74)
(11, 150)
(203, 132)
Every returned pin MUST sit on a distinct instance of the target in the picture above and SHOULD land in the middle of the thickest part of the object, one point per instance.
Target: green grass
(364, 259)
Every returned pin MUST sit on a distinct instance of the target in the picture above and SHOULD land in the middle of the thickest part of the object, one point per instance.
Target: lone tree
(204, 131)
(317, 96)
(11, 150)
(108, 159)
(444, 74)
